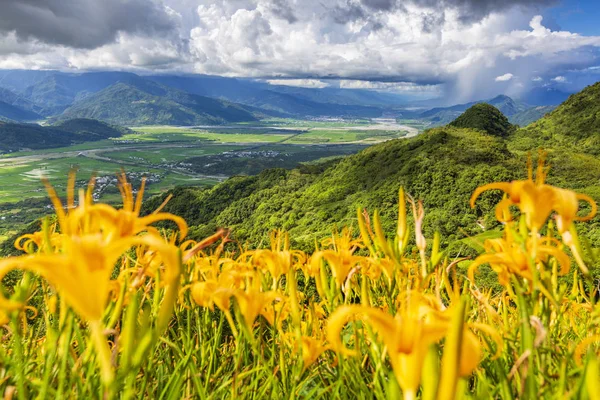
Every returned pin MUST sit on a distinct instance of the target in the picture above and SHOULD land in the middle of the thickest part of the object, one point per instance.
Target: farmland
(175, 156)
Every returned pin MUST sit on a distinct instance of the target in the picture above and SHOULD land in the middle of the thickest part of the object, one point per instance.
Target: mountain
(286, 100)
(443, 115)
(17, 80)
(52, 92)
(486, 118)
(530, 115)
(544, 96)
(16, 108)
(58, 91)
(15, 136)
(148, 103)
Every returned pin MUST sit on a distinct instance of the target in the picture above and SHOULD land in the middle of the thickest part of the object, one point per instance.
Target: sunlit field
(105, 303)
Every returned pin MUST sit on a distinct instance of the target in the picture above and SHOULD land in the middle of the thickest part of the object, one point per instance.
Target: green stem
(103, 353)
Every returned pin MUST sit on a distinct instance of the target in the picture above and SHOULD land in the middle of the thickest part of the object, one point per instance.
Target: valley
(171, 156)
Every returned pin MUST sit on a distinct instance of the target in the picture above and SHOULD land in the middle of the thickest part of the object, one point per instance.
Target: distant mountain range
(149, 103)
(129, 99)
(518, 112)
(79, 95)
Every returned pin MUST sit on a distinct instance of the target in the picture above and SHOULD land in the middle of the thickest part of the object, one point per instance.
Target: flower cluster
(366, 314)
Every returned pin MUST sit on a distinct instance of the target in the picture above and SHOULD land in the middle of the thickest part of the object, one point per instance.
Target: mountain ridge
(148, 103)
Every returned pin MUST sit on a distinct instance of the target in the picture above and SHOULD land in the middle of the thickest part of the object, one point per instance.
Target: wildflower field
(103, 304)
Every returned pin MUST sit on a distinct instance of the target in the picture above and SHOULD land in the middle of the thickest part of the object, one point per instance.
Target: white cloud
(537, 79)
(559, 79)
(504, 78)
(418, 47)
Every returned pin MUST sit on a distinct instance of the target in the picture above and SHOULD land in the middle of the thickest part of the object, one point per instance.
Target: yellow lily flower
(279, 260)
(81, 271)
(407, 337)
(537, 200)
(312, 348)
(341, 258)
(251, 302)
(127, 221)
(506, 257)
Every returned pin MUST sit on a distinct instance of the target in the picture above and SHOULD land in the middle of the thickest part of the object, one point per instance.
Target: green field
(241, 135)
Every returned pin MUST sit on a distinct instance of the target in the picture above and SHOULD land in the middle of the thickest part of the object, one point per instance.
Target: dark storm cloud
(282, 9)
(383, 5)
(348, 12)
(470, 10)
(82, 23)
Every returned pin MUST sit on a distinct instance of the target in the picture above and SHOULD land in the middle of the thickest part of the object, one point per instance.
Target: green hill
(91, 129)
(15, 136)
(442, 167)
(486, 118)
(153, 104)
(575, 124)
(444, 115)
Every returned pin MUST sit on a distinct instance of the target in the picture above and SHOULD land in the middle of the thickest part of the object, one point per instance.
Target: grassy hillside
(153, 104)
(442, 167)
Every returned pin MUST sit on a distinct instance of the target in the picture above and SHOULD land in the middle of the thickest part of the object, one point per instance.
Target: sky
(463, 49)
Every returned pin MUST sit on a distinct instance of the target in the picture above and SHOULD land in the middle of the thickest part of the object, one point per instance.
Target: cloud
(504, 78)
(559, 79)
(537, 79)
(282, 9)
(82, 23)
(424, 46)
